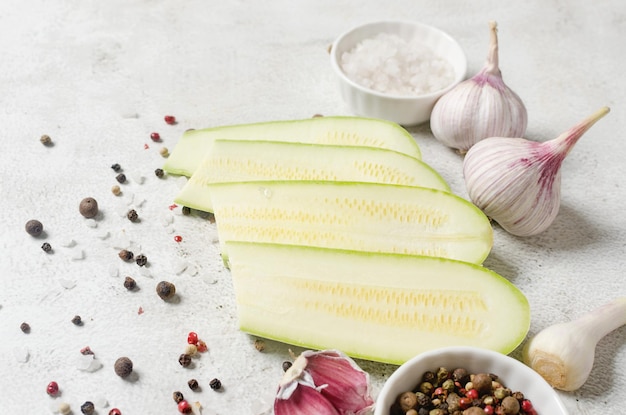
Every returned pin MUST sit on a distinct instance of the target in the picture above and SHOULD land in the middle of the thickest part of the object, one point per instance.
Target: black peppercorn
(77, 320)
(46, 247)
(178, 396)
(116, 167)
(126, 255)
(186, 210)
(121, 178)
(159, 173)
(132, 215)
(130, 284)
(286, 365)
(25, 327)
(88, 207)
(165, 290)
(141, 260)
(184, 360)
(34, 227)
(123, 367)
(87, 408)
(193, 384)
(215, 384)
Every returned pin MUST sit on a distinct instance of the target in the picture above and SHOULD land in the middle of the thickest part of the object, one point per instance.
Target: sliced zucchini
(347, 131)
(350, 215)
(237, 160)
(380, 307)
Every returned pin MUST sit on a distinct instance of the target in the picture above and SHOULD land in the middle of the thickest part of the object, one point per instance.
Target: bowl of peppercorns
(466, 381)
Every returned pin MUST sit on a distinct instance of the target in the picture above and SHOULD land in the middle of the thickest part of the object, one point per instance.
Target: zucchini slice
(357, 216)
(243, 160)
(380, 307)
(347, 131)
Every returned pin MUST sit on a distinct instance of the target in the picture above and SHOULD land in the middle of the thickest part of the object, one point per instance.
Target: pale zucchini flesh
(347, 131)
(349, 215)
(244, 160)
(380, 307)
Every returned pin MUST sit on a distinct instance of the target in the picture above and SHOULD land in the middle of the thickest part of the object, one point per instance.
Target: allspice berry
(165, 290)
(88, 207)
(510, 406)
(34, 227)
(123, 367)
(482, 383)
(474, 410)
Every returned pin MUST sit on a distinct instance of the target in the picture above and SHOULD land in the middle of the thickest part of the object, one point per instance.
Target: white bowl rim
(485, 353)
(337, 67)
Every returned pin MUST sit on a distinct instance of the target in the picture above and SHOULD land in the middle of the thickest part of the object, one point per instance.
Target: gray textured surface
(98, 77)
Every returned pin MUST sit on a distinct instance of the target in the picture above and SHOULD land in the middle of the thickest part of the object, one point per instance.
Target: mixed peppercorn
(458, 392)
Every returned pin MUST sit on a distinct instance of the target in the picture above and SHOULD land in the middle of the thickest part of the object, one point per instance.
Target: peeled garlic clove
(517, 182)
(480, 107)
(328, 380)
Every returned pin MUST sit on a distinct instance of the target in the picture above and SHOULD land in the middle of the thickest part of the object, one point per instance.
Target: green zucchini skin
(380, 307)
(195, 144)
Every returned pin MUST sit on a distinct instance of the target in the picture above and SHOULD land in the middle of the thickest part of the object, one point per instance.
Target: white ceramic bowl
(403, 110)
(513, 374)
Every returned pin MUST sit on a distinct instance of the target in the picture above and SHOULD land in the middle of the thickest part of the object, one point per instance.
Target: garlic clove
(480, 107)
(321, 378)
(348, 385)
(304, 401)
(517, 182)
(563, 354)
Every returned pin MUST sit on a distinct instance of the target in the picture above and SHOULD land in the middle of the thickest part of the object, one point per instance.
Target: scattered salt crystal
(167, 220)
(21, 354)
(145, 272)
(267, 193)
(390, 64)
(91, 223)
(88, 363)
(67, 284)
(114, 271)
(139, 201)
(101, 402)
(180, 266)
(192, 270)
(68, 243)
(78, 255)
(104, 234)
(170, 229)
(137, 178)
(130, 200)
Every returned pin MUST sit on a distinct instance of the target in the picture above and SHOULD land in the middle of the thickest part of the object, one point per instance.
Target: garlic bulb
(563, 353)
(479, 107)
(517, 182)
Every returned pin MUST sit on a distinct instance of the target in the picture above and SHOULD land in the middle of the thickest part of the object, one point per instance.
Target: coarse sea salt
(392, 65)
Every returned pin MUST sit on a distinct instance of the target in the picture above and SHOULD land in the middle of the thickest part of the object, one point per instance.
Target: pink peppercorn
(527, 406)
(155, 136)
(184, 407)
(52, 388)
(472, 394)
(170, 119)
(192, 338)
(178, 238)
(488, 410)
(115, 411)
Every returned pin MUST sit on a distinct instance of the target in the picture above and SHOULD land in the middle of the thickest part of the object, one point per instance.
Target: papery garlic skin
(509, 183)
(517, 182)
(563, 354)
(325, 382)
(480, 107)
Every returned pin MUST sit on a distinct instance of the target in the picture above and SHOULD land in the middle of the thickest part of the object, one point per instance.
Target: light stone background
(98, 77)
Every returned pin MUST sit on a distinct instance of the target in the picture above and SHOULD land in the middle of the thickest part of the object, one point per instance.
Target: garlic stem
(562, 145)
(492, 65)
(564, 353)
